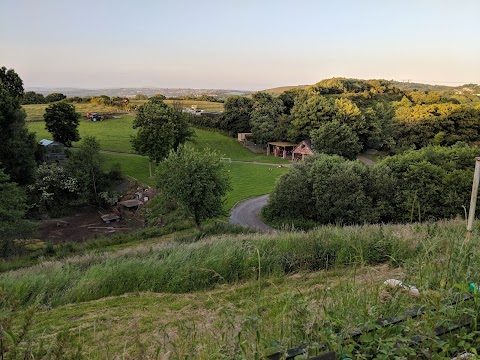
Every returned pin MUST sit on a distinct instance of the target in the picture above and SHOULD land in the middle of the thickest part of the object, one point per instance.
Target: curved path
(246, 213)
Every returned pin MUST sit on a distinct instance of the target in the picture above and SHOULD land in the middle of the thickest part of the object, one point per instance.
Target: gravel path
(246, 213)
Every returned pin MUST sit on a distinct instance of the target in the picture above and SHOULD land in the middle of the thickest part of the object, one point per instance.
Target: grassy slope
(282, 308)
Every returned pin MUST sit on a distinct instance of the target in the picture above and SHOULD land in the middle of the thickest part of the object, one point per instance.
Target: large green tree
(196, 181)
(17, 152)
(160, 130)
(236, 115)
(62, 122)
(336, 138)
(265, 117)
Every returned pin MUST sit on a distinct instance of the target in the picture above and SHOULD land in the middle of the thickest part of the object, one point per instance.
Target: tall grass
(279, 300)
(184, 267)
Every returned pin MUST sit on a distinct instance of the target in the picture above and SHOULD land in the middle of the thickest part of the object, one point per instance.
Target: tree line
(417, 185)
(344, 116)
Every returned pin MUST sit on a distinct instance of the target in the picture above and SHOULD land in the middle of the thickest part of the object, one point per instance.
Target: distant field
(279, 90)
(201, 105)
(35, 112)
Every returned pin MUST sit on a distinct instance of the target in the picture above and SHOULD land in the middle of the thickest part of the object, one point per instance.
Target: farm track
(247, 213)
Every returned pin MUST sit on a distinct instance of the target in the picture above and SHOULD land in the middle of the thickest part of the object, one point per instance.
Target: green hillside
(245, 296)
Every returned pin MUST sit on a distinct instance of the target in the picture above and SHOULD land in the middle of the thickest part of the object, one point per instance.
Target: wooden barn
(280, 149)
(303, 149)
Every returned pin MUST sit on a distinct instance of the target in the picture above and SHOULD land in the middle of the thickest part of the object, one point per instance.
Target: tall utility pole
(473, 199)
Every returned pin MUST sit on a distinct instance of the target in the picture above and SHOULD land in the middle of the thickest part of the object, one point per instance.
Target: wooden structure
(241, 136)
(53, 152)
(303, 149)
(280, 149)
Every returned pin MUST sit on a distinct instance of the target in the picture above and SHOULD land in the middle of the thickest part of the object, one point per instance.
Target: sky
(244, 44)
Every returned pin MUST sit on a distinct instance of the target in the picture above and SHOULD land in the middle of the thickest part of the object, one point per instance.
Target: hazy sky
(238, 44)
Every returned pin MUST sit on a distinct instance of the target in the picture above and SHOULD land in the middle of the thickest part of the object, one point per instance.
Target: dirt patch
(83, 225)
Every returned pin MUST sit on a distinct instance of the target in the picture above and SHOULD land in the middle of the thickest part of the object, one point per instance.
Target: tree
(336, 138)
(31, 97)
(54, 97)
(17, 153)
(265, 116)
(85, 165)
(160, 129)
(12, 213)
(196, 181)
(309, 113)
(54, 189)
(62, 122)
(236, 115)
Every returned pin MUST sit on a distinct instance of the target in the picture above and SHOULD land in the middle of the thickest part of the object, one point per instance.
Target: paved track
(246, 213)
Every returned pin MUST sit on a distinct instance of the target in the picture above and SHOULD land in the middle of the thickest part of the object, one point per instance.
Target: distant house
(53, 152)
(303, 149)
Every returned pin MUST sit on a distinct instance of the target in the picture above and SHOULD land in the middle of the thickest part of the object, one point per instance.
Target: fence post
(473, 200)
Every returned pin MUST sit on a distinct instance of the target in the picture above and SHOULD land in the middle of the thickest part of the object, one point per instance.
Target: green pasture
(115, 135)
(201, 105)
(248, 180)
(35, 111)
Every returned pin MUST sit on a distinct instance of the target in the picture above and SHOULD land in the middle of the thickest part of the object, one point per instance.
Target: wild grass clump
(183, 267)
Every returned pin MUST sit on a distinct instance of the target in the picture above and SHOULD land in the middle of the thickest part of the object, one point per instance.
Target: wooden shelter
(241, 136)
(303, 149)
(53, 152)
(280, 149)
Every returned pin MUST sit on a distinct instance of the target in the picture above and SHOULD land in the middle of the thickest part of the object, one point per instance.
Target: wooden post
(473, 199)
(150, 168)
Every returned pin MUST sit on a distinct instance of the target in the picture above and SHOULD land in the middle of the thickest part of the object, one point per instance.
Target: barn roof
(306, 146)
(281, 143)
(45, 142)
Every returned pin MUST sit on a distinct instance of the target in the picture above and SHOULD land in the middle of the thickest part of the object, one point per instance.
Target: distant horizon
(449, 84)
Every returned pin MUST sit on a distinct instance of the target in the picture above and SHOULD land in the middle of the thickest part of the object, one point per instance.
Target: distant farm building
(280, 149)
(53, 152)
(303, 149)
(242, 136)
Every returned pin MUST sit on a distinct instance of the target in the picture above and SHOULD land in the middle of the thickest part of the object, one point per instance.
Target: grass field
(115, 135)
(201, 105)
(248, 180)
(35, 111)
